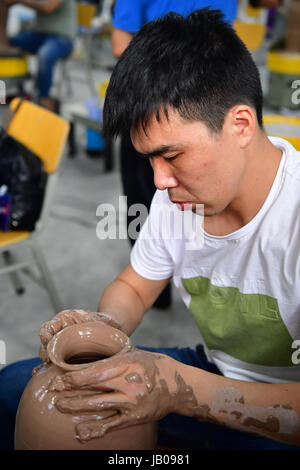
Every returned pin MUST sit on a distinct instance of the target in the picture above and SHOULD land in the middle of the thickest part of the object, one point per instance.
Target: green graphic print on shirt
(247, 327)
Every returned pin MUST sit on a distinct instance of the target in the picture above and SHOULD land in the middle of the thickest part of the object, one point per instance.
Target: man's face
(195, 165)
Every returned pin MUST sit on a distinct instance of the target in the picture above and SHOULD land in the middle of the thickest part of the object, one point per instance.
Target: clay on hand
(68, 318)
(141, 386)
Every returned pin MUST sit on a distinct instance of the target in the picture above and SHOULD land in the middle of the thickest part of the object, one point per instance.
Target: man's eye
(171, 159)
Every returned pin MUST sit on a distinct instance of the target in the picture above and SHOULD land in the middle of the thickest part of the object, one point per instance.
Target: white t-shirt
(243, 289)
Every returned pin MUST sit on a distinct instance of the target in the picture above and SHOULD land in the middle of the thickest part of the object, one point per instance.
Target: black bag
(24, 175)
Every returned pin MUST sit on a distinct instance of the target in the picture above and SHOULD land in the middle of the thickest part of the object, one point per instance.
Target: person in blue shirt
(128, 18)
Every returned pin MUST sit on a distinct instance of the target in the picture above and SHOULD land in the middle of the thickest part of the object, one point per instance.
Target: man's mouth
(182, 205)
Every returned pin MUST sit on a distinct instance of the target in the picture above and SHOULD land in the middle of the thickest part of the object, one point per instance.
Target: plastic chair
(250, 25)
(287, 127)
(45, 134)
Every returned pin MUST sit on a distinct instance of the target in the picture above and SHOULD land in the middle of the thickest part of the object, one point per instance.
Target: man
(51, 39)
(193, 105)
(128, 18)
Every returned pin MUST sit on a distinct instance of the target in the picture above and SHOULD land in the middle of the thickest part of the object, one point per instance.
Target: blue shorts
(174, 430)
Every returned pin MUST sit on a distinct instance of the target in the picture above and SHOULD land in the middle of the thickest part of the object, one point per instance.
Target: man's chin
(204, 210)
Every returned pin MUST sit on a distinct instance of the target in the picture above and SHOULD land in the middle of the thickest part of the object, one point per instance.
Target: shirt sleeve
(128, 15)
(150, 257)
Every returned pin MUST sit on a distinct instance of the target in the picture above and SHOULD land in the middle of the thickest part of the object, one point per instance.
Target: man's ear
(243, 122)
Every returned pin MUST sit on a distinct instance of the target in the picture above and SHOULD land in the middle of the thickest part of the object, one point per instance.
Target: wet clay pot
(39, 424)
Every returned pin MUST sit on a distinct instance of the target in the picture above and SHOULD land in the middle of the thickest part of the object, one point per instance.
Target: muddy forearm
(123, 304)
(269, 410)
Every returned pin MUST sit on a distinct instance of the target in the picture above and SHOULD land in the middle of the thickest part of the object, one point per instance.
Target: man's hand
(67, 318)
(141, 386)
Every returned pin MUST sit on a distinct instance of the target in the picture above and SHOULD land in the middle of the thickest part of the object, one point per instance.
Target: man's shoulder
(292, 155)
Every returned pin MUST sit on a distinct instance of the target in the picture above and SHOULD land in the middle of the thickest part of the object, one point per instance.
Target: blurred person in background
(50, 38)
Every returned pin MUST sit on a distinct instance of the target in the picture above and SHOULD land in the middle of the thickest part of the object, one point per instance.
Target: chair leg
(88, 66)
(14, 277)
(72, 141)
(52, 292)
(65, 79)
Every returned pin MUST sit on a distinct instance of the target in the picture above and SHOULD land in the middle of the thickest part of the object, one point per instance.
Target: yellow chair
(287, 127)
(250, 25)
(252, 34)
(45, 134)
(13, 66)
(85, 13)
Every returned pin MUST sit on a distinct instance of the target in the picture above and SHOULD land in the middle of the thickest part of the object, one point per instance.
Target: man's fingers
(95, 403)
(92, 429)
(44, 354)
(92, 377)
(60, 321)
(89, 430)
(47, 330)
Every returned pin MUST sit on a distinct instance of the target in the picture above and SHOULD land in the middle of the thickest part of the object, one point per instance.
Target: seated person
(51, 38)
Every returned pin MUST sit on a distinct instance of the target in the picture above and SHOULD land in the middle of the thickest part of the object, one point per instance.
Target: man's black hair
(196, 65)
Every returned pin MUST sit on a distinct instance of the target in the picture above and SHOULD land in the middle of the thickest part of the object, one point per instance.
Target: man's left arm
(152, 385)
(268, 410)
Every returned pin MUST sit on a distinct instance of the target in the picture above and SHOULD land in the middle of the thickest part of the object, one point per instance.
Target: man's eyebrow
(162, 150)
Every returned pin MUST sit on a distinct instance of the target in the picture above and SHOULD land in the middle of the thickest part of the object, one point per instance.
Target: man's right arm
(122, 305)
(128, 297)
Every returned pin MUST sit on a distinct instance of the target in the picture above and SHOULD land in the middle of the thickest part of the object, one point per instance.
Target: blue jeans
(49, 49)
(174, 430)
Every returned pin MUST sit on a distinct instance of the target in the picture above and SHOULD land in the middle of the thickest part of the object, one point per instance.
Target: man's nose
(163, 174)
